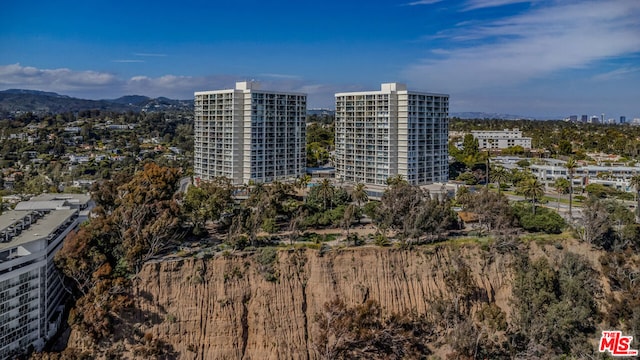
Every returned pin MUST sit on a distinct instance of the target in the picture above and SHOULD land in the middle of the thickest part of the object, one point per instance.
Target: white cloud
(96, 85)
(616, 74)
(150, 54)
(280, 76)
(544, 40)
(127, 61)
(423, 2)
(16, 75)
(480, 4)
(175, 86)
(101, 85)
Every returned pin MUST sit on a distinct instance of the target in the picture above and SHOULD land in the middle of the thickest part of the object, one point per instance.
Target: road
(561, 208)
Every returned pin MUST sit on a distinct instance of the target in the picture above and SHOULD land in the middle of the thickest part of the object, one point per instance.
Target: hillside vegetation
(456, 300)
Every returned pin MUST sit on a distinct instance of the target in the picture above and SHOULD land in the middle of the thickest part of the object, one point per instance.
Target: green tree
(35, 184)
(470, 150)
(532, 189)
(432, 219)
(571, 165)
(562, 187)
(513, 150)
(493, 211)
(302, 182)
(545, 220)
(359, 195)
(395, 180)
(468, 178)
(326, 191)
(554, 311)
(565, 148)
(500, 175)
(464, 197)
(397, 205)
(599, 190)
(208, 201)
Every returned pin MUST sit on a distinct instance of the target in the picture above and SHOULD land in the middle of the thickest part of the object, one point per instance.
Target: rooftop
(81, 198)
(40, 205)
(37, 231)
(386, 88)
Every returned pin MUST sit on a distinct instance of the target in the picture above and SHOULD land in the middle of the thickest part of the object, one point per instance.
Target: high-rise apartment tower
(247, 134)
(380, 134)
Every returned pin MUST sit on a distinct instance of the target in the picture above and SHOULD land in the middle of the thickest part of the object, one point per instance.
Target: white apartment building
(31, 289)
(501, 139)
(618, 177)
(380, 134)
(247, 134)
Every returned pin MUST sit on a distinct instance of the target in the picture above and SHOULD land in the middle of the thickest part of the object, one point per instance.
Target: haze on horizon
(533, 58)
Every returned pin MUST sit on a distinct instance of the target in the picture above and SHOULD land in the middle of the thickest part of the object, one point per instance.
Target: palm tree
(562, 187)
(571, 165)
(500, 175)
(532, 189)
(303, 182)
(488, 173)
(635, 182)
(396, 180)
(326, 191)
(359, 194)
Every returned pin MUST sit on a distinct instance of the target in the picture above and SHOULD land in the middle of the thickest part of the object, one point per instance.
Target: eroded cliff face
(225, 308)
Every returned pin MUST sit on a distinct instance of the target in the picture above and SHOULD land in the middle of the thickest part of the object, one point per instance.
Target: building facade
(501, 139)
(617, 177)
(249, 135)
(381, 134)
(31, 289)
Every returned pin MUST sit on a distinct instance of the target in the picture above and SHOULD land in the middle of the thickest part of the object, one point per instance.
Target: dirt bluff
(235, 308)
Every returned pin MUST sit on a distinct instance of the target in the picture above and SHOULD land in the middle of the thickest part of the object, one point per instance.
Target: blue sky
(535, 58)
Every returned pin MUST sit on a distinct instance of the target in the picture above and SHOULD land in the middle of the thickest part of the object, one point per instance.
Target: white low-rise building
(618, 177)
(501, 139)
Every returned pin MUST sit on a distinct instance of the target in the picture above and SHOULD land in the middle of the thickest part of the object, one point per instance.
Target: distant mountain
(19, 100)
(33, 92)
(131, 99)
(321, 112)
(163, 103)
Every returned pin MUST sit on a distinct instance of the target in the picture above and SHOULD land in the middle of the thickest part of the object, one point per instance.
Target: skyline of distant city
(534, 58)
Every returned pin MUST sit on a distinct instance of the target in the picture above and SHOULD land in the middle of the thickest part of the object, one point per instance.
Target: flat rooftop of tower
(252, 86)
(386, 88)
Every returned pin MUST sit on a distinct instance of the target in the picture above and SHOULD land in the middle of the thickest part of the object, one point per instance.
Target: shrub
(170, 318)
(267, 258)
(381, 240)
(545, 220)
